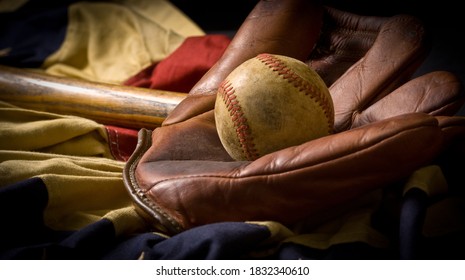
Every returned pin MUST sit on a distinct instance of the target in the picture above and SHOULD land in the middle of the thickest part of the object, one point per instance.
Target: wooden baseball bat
(118, 105)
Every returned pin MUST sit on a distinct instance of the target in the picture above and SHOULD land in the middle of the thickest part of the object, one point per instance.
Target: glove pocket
(298, 183)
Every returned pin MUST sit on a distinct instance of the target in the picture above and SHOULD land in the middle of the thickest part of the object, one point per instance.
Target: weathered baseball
(271, 102)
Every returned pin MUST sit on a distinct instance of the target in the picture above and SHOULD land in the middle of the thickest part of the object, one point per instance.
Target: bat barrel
(119, 105)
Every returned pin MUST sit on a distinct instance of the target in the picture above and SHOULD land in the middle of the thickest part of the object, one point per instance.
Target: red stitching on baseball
(288, 74)
(227, 93)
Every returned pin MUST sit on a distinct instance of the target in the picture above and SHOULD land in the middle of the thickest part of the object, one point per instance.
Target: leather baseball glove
(180, 176)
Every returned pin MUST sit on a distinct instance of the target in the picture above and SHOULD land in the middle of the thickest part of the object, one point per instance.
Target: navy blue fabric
(21, 208)
(413, 213)
(90, 243)
(23, 235)
(33, 32)
(352, 251)
(228, 240)
(215, 241)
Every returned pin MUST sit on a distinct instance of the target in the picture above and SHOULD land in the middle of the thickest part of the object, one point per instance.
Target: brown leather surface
(181, 177)
(266, 29)
(292, 184)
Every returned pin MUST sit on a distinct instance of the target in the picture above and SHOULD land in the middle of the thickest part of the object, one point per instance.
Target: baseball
(271, 102)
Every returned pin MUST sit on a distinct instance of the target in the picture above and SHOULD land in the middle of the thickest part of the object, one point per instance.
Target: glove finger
(287, 186)
(191, 106)
(435, 93)
(266, 29)
(345, 39)
(397, 52)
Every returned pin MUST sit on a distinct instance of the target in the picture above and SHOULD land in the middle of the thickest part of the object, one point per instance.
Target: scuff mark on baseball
(271, 102)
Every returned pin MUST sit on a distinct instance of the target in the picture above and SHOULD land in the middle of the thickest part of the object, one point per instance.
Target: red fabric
(178, 72)
(141, 79)
(122, 141)
(185, 66)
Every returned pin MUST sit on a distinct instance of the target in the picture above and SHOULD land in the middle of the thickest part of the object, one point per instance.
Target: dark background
(220, 15)
(445, 20)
